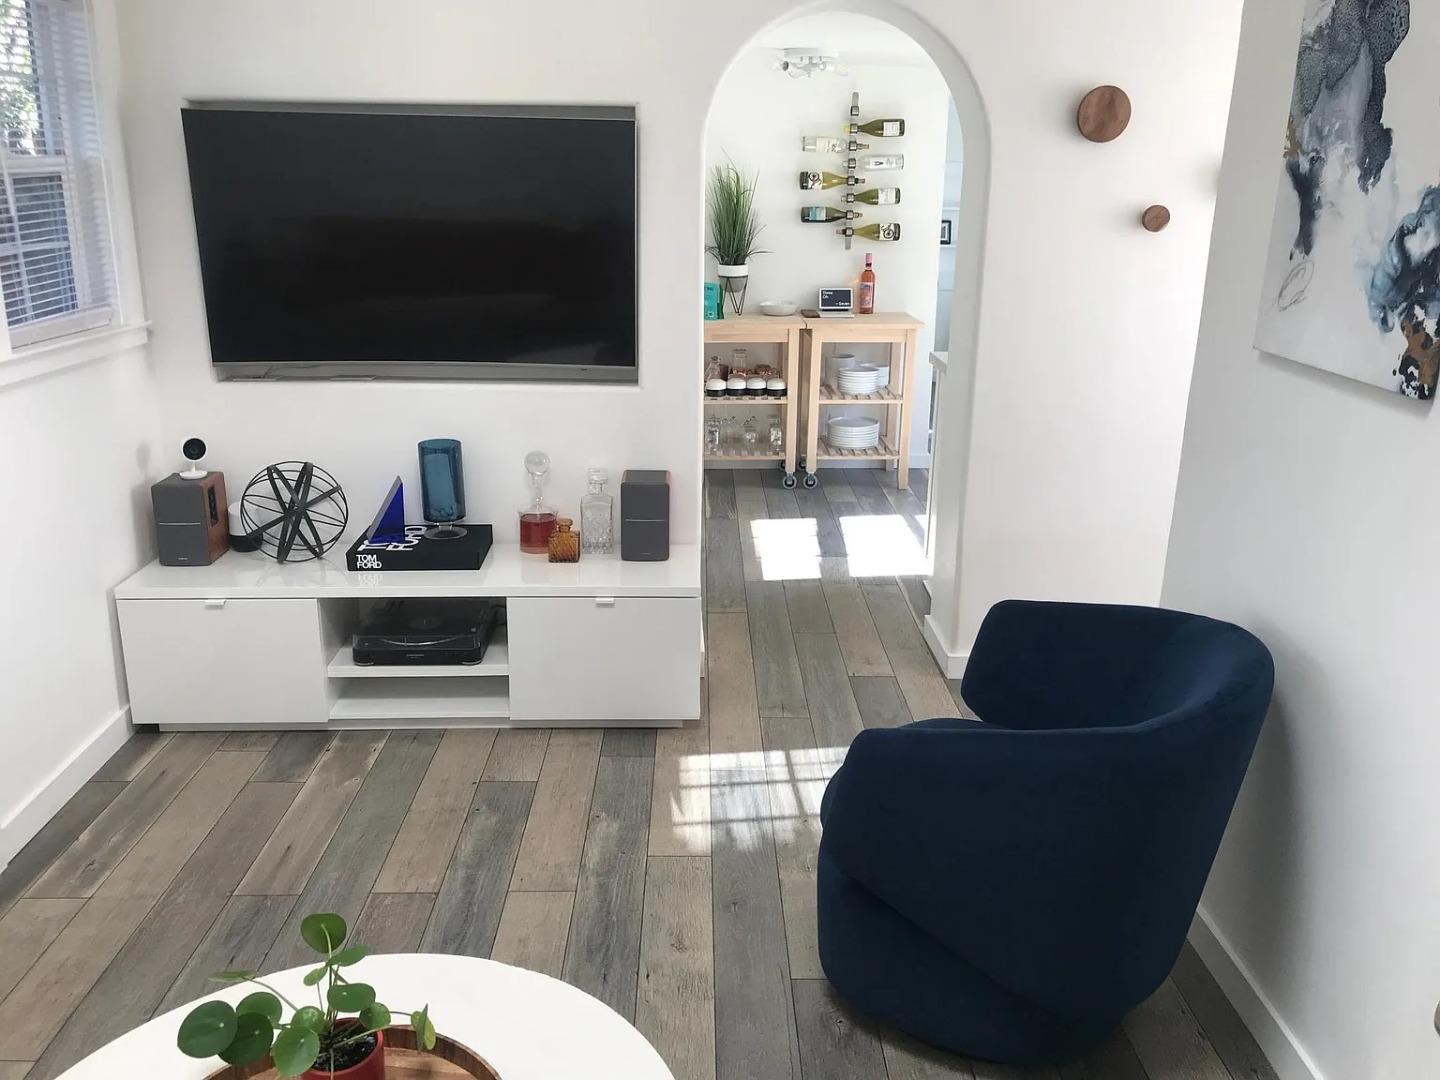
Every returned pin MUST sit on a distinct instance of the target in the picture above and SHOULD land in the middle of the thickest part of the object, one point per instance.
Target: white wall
(1306, 512)
(950, 199)
(79, 447)
(80, 453)
(446, 51)
(1084, 333)
(1087, 323)
(757, 121)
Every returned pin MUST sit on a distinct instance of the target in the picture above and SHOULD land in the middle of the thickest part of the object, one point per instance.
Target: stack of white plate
(858, 379)
(852, 432)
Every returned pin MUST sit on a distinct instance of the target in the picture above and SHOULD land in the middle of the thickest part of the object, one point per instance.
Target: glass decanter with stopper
(537, 520)
(597, 516)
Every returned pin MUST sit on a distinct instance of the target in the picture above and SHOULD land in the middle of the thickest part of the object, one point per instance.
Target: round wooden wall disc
(1155, 218)
(1104, 114)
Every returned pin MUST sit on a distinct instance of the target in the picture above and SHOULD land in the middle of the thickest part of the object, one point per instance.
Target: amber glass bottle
(564, 544)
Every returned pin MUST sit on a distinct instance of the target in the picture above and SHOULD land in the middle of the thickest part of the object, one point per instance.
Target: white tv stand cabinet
(249, 643)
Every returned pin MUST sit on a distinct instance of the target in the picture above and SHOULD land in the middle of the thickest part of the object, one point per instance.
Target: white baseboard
(55, 790)
(951, 663)
(1286, 1055)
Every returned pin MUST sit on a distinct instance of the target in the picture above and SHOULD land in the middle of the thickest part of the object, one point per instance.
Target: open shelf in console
(496, 662)
(387, 700)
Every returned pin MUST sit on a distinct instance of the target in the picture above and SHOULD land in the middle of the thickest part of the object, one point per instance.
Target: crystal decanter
(597, 516)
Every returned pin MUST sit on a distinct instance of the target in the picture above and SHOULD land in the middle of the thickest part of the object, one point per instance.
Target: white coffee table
(527, 1026)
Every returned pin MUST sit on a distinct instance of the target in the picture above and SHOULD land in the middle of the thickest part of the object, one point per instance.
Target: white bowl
(778, 307)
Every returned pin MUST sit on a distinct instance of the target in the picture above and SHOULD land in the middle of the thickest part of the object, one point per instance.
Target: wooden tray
(403, 1061)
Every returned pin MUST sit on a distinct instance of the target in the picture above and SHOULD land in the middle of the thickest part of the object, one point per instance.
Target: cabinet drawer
(224, 663)
(622, 658)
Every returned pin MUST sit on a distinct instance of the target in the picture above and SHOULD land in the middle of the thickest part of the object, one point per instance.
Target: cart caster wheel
(811, 480)
(789, 480)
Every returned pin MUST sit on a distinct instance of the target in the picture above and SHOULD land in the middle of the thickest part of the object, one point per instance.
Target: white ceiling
(859, 39)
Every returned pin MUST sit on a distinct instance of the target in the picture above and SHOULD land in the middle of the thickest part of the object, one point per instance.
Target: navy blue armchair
(1010, 889)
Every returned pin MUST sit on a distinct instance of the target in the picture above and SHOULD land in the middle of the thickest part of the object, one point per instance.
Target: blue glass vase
(442, 487)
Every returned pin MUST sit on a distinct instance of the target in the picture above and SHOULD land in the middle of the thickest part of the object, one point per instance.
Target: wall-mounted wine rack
(884, 231)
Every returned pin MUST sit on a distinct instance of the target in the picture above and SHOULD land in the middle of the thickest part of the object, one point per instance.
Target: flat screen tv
(416, 241)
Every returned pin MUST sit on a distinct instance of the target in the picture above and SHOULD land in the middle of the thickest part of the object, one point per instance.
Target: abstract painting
(1352, 282)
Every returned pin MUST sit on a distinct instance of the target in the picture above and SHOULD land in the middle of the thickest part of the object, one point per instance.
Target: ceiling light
(802, 63)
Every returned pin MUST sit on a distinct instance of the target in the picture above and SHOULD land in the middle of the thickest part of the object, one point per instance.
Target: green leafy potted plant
(343, 1035)
(734, 229)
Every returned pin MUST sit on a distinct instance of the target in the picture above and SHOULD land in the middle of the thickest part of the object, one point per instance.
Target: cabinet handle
(604, 601)
(215, 602)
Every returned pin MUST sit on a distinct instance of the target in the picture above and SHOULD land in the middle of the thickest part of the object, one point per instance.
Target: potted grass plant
(342, 1035)
(734, 229)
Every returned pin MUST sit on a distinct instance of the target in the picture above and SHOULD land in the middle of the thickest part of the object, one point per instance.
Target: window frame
(59, 96)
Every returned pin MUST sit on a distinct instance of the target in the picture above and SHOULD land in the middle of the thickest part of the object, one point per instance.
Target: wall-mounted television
(372, 241)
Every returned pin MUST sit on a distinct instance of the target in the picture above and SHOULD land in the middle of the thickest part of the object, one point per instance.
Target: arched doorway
(796, 553)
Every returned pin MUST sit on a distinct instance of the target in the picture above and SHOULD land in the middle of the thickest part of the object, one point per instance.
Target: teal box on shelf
(714, 304)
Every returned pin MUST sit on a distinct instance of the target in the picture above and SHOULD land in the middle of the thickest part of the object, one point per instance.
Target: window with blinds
(56, 269)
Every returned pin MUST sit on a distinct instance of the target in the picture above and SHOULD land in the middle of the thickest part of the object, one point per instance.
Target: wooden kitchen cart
(784, 331)
(894, 401)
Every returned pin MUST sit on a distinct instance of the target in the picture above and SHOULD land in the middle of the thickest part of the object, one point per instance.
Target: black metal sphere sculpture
(295, 509)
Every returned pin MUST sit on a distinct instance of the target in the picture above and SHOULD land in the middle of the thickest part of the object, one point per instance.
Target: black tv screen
(416, 242)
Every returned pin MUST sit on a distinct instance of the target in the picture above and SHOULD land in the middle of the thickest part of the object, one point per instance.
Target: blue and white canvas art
(1352, 283)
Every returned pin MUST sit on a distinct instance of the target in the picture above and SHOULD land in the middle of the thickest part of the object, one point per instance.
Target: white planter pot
(734, 280)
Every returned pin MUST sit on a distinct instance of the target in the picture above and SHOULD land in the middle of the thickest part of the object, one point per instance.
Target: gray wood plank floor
(671, 876)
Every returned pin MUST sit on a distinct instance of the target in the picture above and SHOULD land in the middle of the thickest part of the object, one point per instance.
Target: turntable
(426, 631)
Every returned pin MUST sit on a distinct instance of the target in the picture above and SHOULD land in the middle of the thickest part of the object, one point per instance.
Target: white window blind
(56, 267)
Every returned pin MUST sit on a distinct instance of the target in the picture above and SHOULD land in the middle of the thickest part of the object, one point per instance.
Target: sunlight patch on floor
(788, 548)
(751, 797)
(882, 545)
(876, 545)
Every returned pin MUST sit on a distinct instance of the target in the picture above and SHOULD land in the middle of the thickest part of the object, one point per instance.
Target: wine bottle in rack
(879, 196)
(879, 162)
(880, 129)
(813, 181)
(824, 144)
(881, 230)
(824, 214)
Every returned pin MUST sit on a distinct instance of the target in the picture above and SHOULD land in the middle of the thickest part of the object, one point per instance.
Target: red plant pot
(372, 1068)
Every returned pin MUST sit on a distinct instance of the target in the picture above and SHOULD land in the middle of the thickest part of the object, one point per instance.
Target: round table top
(528, 1026)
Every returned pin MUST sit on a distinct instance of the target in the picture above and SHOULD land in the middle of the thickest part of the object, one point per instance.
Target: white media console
(249, 643)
